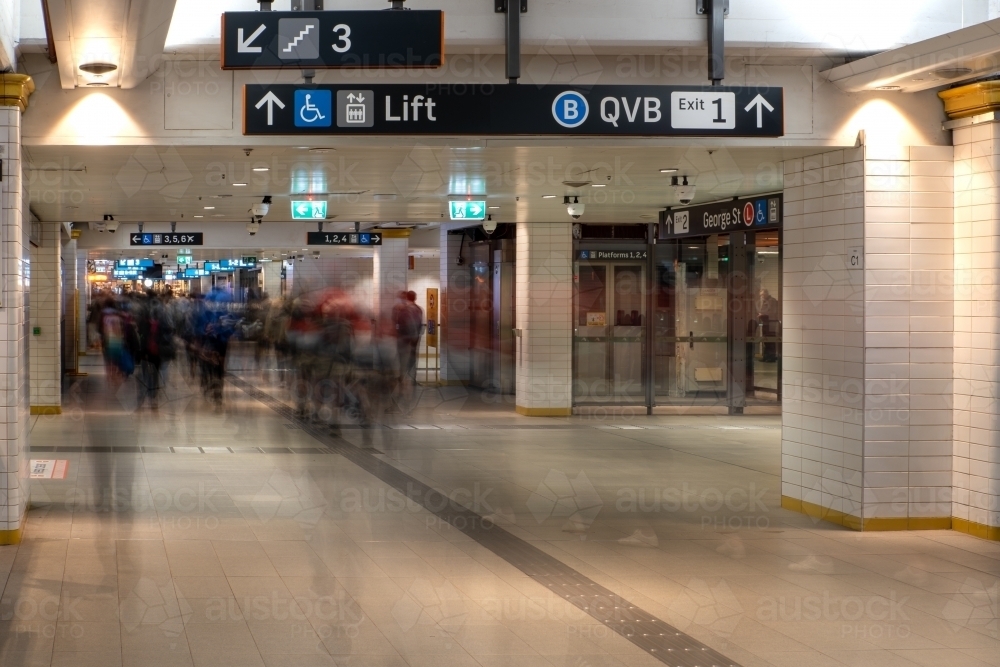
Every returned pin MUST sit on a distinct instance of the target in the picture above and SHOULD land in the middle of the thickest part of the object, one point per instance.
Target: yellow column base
(895, 523)
(8, 537)
(46, 410)
(544, 412)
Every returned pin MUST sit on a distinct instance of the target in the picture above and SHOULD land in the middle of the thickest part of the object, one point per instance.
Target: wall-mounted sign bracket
(512, 35)
(716, 11)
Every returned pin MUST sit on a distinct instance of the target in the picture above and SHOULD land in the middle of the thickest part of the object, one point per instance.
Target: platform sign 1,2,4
(344, 238)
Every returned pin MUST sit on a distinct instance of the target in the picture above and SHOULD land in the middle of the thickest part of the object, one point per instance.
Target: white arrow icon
(243, 45)
(136, 238)
(270, 100)
(760, 103)
(376, 238)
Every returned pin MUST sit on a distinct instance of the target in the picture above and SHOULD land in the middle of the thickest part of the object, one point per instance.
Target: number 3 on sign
(343, 32)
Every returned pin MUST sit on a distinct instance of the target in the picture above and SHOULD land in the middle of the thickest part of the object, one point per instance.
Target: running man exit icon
(298, 39)
(355, 108)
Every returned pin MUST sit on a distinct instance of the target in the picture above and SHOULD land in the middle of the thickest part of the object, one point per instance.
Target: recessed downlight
(599, 185)
(889, 88)
(239, 185)
(209, 208)
(493, 207)
(951, 72)
(262, 169)
(98, 69)
(199, 216)
(97, 84)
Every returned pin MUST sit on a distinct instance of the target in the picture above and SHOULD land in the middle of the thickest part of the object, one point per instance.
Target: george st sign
(332, 39)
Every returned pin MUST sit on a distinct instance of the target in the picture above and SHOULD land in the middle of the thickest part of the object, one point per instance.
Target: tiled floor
(243, 537)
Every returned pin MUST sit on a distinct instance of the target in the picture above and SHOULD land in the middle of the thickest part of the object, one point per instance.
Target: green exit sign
(309, 210)
(467, 210)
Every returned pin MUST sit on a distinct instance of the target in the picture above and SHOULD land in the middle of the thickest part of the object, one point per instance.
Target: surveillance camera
(575, 210)
(112, 226)
(253, 228)
(683, 190)
(489, 225)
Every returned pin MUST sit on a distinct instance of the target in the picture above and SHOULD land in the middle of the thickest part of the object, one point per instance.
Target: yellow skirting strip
(883, 524)
(544, 412)
(8, 537)
(46, 410)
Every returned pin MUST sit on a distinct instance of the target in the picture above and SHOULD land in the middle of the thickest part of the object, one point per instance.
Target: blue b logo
(570, 109)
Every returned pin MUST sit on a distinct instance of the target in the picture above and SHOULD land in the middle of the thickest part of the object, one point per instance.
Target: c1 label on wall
(856, 258)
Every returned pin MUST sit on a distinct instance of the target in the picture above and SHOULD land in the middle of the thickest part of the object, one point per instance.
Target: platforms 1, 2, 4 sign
(505, 110)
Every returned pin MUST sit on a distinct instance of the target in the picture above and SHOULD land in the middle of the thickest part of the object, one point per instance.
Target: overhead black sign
(343, 238)
(317, 40)
(157, 238)
(612, 254)
(752, 214)
(485, 109)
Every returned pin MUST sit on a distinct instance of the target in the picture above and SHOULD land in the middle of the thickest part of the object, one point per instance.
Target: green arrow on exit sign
(309, 210)
(467, 210)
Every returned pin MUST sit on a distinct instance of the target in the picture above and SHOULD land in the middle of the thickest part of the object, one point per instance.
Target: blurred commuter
(408, 319)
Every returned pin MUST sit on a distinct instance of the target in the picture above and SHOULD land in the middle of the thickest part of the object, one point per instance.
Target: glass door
(690, 297)
(609, 332)
(764, 335)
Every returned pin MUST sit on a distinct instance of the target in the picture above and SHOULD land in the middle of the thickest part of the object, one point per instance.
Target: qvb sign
(147, 238)
(485, 109)
(345, 238)
(318, 40)
(752, 214)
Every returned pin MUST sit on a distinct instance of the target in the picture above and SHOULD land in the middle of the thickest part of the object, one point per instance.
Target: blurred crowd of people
(338, 362)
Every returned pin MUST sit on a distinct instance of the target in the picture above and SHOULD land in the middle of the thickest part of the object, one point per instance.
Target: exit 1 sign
(309, 210)
(467, 210)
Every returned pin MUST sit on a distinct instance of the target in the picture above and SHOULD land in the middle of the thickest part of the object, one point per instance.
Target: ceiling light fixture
(890, 88)
(209, 208)
(548, 196)
(599, 185)
(239, 185)
(668, 170)
(494, 207)
(98, 69)
(199, 216)
(262, 169)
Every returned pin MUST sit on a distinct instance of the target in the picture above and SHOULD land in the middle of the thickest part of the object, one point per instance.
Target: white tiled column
(272, 278)
(14, 351)
(389, 272)
(45, 313)
(976, 502)
(867, 370)
(544, 305)
(823, 328)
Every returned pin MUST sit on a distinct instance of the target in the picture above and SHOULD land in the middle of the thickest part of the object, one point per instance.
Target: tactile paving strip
(658, 638)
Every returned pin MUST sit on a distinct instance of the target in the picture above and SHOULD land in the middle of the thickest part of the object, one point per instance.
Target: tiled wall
(823, 328)
(46, 311)
(908, 334)
(977, 327)
(867, 409)
(351, 274)
(544, 302)
(14, 371)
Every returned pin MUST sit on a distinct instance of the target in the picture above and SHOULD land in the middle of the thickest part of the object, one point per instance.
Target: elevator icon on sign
(355, 108)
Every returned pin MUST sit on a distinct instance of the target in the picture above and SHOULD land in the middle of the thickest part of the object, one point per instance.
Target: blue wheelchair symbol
(366, 239)
(147, 239)
(313, 108)
(761, 206)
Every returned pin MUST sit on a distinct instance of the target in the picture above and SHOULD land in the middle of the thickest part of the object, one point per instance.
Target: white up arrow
(243, 45)
(760, 103)
(270, 100)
